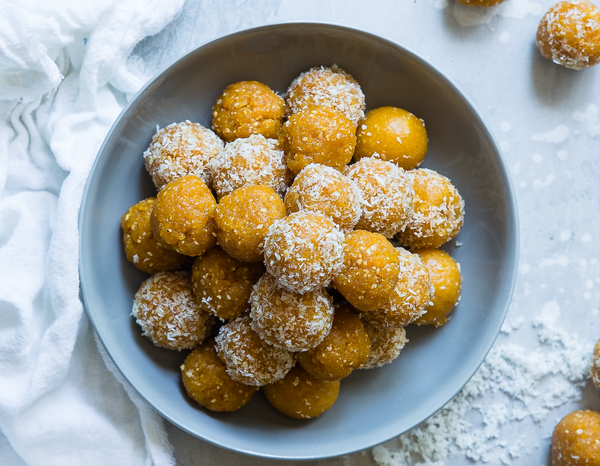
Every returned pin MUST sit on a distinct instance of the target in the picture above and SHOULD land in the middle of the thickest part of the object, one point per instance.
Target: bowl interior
(374, 405)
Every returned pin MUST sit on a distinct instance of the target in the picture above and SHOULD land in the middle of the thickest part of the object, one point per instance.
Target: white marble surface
(545, 118)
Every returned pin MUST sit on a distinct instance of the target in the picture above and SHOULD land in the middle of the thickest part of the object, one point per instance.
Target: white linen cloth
(65, 74)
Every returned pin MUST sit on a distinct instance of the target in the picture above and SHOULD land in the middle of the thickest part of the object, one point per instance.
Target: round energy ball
(182, 216)
(243, 219)
(181, 149)
(222, 284)
(246, 161)
(387, 194)
(576, 440)
(394, 134)
(206, 381)
(301, 396)
(293, 321)
(446, 281)
(369, 272)
(411, 296)
(324, 190)
(165, 309)
(141, 247)
(304, 251)
(332, 87)
(438, 211)
(596, 365)
(317, 134)
(569, 34)
(386, 344)
(480, 2)
(248, 358)
(346, 348)
(245, 108)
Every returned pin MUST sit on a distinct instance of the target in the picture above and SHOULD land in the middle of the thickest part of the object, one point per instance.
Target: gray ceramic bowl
(374, 405)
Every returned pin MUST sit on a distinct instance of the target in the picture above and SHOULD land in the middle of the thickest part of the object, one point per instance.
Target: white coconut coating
(249, 359)
(165, 309)
(324, 190)
(293, 321)
(386, 344)
(247, 161)
(304, 251)
(181, 149)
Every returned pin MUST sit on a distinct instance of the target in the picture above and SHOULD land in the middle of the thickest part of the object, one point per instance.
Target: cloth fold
(65, 72)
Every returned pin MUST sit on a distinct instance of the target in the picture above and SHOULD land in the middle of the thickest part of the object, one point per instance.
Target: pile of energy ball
(287, 210)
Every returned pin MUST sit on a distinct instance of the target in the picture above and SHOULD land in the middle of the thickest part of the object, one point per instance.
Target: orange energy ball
(141, 247)
(576, 440)
(293, 321)
(301, 396)
(222, 284)
(245, 108)
(324, 190)
(246, 161)
(387, 194)
(369, 272)
(596, 365)
(249, 359)
(206, 381)
(346, 348)
(304, 251)
(446, 281)
(181, 149)
(332, 87)
(480, 2)
(438, 211)
(386, 344)
(317, 134)
(394, 134)
(569, 34)
(183, 216)
(411, 296)
(243, 219)
(164, 307)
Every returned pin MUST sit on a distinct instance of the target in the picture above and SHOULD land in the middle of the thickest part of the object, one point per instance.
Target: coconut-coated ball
(386, 344)
(576, 440)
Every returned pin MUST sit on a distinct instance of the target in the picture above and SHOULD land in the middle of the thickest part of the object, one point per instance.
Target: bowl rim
(511, 205)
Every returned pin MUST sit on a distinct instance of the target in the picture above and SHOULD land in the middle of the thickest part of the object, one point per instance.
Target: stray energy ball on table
(446, 281)
(243, 219)
(412, 294)
(318, 134)
(596, 365)
(394, 134)
(248, 358)
(370, 270)
(386, 344)
(294, 321)
(304, 251)
(301, 396)
(387, 194)
(245, 108)
(437, 214)
(183, 216)
(222, 284)
(332, 87)
(164, 307)
(346, 348)
(576, 440)
(324, 190)
(480, 2)
(181, 149)
(569, 34)
(246, 161)
(141, 247)
(206, 381)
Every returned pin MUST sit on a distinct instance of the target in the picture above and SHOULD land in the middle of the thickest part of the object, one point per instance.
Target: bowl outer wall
(374, 405)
